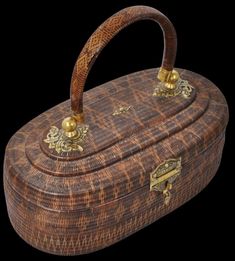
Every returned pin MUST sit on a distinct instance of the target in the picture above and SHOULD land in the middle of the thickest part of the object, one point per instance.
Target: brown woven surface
(89, 210)
(80, 202)
(70, 233)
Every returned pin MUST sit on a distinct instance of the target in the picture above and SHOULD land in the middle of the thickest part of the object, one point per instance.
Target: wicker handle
(101, 37)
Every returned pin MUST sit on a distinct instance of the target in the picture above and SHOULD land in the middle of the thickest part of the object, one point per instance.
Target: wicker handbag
(81, 177)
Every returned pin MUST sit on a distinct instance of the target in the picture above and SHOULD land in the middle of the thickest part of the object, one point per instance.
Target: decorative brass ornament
(169, 78)
(163, 176)
(69, 125)
(182, 87)
(59, 139)
(121, 110)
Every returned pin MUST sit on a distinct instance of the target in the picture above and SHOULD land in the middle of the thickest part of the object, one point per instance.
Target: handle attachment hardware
(169, 78)
(69, 138)
(171, 84)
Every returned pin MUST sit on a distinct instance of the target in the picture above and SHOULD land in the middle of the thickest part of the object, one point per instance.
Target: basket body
(79, 203)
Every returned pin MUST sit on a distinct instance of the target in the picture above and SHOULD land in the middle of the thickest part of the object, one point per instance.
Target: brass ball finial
(69, 125)
(174, 77)
(169, 78)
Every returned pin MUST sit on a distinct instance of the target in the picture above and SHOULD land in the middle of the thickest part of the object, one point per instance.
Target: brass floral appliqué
(121, 110)
(182, 88)
(57, 139)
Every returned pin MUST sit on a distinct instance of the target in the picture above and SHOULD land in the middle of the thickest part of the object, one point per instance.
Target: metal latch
(163, 176)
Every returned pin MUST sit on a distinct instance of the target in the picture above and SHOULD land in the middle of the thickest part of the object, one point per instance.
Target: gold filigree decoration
(57, 139)
(182, 88)
(121, 110)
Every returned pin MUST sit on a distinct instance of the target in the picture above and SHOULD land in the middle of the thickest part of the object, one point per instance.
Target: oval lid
(113, 134)
(119, 152)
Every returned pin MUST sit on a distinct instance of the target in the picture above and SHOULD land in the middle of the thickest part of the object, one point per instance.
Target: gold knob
(170, 78)
(171, 82)
(69, 125)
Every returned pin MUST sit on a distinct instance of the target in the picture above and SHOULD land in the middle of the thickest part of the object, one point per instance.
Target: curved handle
(102, 36)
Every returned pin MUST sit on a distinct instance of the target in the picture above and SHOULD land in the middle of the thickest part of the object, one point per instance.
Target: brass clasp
(163, 176)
